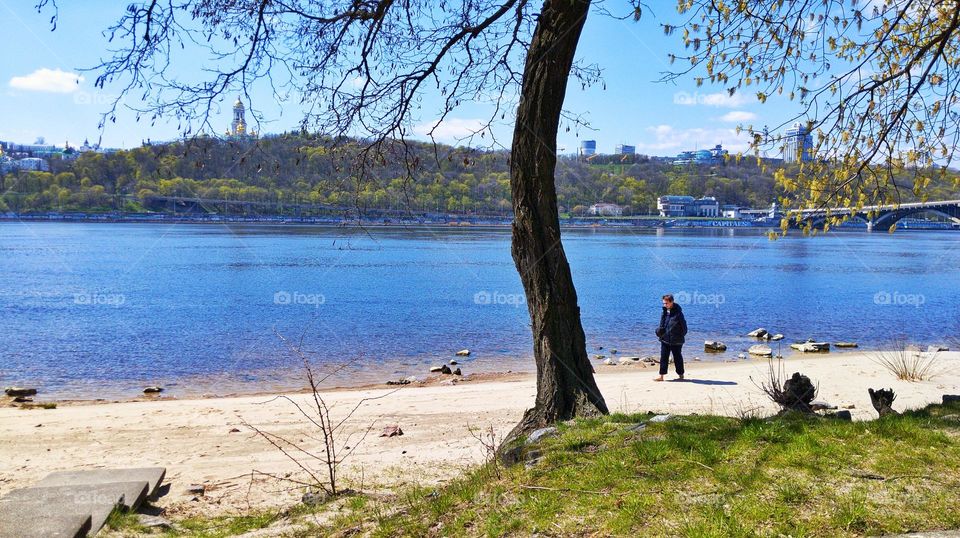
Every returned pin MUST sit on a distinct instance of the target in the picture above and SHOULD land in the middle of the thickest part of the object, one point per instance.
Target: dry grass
(908, 362)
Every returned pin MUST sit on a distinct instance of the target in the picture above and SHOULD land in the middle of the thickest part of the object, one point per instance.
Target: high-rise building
(798, 144)
(588, 148)
(623, 149)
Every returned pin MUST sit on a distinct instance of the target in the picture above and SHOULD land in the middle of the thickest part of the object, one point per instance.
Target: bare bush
(489, 443)
(907, 362)
(320, 467)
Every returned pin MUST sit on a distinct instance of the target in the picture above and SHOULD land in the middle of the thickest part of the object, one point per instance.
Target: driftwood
(882, 400)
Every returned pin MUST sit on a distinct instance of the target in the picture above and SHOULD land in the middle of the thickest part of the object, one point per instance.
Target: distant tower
(239, 125)
(798, 144)
(588, 148)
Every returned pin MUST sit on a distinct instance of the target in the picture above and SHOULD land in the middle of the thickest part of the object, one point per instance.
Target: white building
(688, 206)
(33, 163)
(606, 210)
(730, 211)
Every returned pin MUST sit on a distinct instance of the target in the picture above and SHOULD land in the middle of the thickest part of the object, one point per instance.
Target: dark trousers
(665, 351)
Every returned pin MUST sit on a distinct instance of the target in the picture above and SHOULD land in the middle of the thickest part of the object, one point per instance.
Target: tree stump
(798, 392)
(882, 400)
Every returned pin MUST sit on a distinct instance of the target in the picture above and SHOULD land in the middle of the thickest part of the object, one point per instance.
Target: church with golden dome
(238, 128)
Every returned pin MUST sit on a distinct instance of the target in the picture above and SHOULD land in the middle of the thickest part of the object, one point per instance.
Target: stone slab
(97, 500)
(130, 494)
(153, 476)
(20, 520)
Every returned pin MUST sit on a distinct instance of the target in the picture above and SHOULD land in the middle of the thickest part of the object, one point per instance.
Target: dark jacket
(673, 326)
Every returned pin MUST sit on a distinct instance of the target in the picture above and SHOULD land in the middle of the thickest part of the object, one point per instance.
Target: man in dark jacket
(672, 330)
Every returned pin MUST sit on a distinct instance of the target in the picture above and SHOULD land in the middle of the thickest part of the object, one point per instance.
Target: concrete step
(71, 504)
(29, 521)
(153, 476)
(96, 500)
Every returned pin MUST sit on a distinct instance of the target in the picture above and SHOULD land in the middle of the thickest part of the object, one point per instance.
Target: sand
(195, 438)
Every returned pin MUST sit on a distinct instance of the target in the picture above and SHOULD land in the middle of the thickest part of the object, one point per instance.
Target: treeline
(294, 169)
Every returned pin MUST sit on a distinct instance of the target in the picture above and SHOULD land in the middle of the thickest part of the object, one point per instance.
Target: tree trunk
(565, 384)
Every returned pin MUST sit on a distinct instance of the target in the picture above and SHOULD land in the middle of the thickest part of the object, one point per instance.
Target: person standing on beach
(671, 332)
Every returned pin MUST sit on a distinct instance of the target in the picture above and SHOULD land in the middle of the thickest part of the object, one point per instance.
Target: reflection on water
(100, 310)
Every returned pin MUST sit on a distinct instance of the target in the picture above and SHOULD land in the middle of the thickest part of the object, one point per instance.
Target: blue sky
(45, 92)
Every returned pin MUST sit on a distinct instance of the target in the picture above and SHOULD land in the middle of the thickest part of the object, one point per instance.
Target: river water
(97, 310)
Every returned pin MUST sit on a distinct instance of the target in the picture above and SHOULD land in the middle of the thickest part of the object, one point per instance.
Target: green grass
(123, 520)
(128, 524)
(222, 526)
(698, 476)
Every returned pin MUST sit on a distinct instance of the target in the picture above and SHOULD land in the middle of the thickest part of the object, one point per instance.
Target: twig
(711, 469)
(881, 478)
(568, 490)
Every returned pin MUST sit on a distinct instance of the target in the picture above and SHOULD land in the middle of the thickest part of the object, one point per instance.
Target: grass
(127, 524)
(907, 363)
(698, 476)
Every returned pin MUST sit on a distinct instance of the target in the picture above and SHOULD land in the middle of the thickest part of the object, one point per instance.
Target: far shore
(210, 441)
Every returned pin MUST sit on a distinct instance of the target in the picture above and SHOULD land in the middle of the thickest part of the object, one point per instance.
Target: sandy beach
(209, 442)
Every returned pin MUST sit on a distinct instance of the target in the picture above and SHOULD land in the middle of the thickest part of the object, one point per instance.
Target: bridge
(885, 216)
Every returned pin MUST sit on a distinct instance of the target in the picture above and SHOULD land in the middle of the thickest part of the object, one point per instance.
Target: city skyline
(47, 94)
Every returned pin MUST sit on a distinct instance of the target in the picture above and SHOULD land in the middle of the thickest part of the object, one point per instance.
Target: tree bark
(565, 384)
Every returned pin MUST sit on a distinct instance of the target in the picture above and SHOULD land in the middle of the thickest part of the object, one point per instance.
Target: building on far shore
(688, 206)
(798, 144)
(33, 163)
(606, 210)
(623, 149)
(238, 127)
(704, 156)
(731, 211)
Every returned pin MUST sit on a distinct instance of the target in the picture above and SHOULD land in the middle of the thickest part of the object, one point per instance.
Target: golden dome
(238, 103)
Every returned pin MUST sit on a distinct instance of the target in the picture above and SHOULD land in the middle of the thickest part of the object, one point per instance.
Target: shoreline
(449, 221)
(210, 441)
(452, 221)
(292, 381)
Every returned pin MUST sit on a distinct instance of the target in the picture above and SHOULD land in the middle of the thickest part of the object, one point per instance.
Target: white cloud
(738, 116)
(48, 80)
(718, 99)
(667, 140)
(451, 130)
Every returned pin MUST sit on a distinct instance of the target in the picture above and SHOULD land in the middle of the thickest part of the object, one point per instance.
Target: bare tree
(361, 68)
(364, 67)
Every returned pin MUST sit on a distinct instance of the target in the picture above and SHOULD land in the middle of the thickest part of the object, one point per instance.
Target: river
(100, 310)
